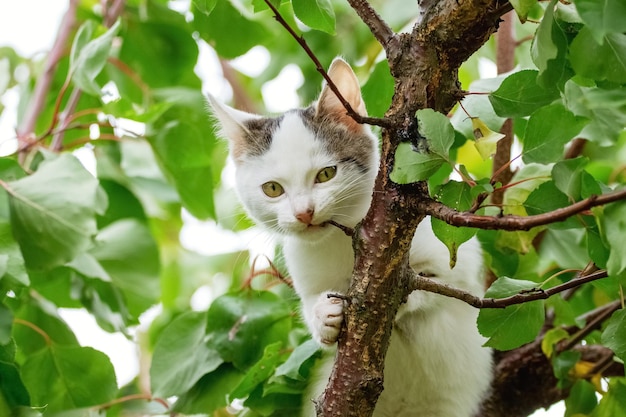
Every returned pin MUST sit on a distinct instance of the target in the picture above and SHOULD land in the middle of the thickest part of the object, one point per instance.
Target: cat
(296, 172)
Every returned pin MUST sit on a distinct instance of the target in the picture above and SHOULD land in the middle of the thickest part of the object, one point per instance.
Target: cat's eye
(273, 189)
(326, 174)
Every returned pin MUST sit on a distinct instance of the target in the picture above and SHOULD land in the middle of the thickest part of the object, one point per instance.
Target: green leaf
(6, 324)
(519, 95)
(522, 7)
(12, 388)
(514, 325)
(53, 212)
(230, 29)
(605, 109)
(615, 229)
(67, 377)
(88, 60)
(292, 367)
(548, 50)
(582, 399)
(609, 58)
(563, 364)
(186, 156)
(129, 255)
(602, 16)
(259, 372)
(547, 197)
(456, 195)
(437, 130)
(14, 262)
(378, 90)
(210, 393)
(181, 356)
(316, 14)
(205, 6)
(612, 403)
(614, 335)
(241, 324)
(411, 166)
(547, 132)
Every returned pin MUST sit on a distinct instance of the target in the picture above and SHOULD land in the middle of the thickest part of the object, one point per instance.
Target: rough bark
(424, 64)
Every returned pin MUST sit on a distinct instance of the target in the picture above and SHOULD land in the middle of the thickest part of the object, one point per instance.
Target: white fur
(436, 365)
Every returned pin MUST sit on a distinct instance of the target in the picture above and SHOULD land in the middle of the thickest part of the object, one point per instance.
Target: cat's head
(298, 171)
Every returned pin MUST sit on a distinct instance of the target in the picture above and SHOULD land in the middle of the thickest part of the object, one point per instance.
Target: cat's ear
(231, 124)
(344, 78)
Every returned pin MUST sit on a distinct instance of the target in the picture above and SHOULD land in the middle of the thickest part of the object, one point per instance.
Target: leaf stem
(34, 327)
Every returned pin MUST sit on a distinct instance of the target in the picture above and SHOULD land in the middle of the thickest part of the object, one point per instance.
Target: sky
(33, 33)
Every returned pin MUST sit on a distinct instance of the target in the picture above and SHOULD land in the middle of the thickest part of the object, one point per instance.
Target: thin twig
(382, 122)
(347, 230)
(510, 222)
(423, 283)
(594, 321)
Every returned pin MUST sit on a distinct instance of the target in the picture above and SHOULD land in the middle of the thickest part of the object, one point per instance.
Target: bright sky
(30, 27)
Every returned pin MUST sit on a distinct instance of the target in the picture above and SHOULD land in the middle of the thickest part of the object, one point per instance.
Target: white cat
(298, 171)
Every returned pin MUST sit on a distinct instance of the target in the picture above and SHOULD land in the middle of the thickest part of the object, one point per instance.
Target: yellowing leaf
(581, 371)
(486, 139)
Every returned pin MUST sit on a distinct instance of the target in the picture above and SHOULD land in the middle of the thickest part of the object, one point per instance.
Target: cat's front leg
(327, 318)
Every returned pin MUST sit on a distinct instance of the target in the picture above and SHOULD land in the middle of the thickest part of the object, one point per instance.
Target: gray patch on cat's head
(347, 144)
(258, 137)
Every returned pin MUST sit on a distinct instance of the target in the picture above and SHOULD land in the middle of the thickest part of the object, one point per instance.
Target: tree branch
(419, 282)
(375, 121)
(26, 131)
(379, 28)
(511, 222)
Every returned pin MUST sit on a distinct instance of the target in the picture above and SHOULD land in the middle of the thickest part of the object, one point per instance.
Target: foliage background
(109, 241)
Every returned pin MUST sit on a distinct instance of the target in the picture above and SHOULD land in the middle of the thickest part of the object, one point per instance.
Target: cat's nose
(305, 217)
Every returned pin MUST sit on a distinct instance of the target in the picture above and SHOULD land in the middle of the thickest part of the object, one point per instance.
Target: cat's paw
(328, 316)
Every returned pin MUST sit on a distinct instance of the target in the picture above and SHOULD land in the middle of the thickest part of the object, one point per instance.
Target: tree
(530, 161)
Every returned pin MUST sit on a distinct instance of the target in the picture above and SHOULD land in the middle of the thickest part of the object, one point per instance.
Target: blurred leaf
(292, 367)
(412, 166)
(241, 324)
(522, 7)
(230, 29)
(456, 195)
(546, 198)
(514, 325)
(554, 122)
(614, 335)
(10, 250)
(205, 6)
(605, 109)
(615, 229)
(259, 372)
(551, 338)
(6, 324)
(612, 403)
(181, 356)
(53, 212)
(210, 392)
(602, 16)
(519, 95)
(67, 377)
(378, 89)
(186, 157)
(564, 364)
(582, 399)
(128, 253)
(486, 139)
(608, 58)
(88, 59)
(12, 388)
(316, 14)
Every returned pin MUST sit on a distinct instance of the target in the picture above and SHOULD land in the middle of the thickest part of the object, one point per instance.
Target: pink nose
(305, 217)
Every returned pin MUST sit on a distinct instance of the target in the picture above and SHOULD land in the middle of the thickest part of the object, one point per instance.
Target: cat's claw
(328, 312)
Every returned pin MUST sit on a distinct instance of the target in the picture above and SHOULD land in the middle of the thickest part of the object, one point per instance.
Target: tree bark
(424, 64)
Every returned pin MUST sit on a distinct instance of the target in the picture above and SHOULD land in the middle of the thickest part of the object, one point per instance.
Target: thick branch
(379, 28)
(510, 222)
(419, 282)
